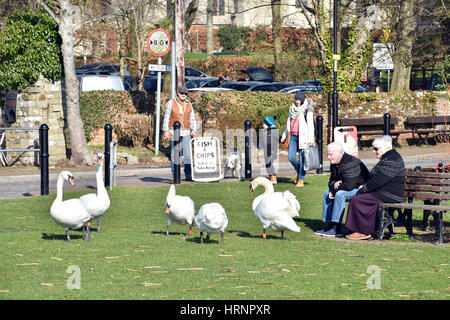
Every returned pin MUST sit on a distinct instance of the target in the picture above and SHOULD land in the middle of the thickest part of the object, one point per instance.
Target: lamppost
(336, 57)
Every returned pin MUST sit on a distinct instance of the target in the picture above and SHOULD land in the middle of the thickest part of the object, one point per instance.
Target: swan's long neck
(170, 195)
(268, 187)
(59, 188)
(99, 177)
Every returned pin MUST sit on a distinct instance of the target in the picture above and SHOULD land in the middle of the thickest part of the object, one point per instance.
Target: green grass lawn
(133, 259)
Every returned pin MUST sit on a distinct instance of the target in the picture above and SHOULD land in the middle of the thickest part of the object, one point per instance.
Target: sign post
(206, 162)
(158, 43)
(348, 137)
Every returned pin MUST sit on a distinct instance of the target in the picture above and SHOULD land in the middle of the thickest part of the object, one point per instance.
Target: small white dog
(233, 164)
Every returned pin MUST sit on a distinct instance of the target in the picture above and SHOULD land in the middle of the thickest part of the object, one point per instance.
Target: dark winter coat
(387, 178)
(350, 170)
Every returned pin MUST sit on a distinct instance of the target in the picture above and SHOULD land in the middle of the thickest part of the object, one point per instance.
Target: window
(219, 7)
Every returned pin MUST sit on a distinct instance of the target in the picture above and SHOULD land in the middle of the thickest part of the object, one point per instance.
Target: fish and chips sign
(206, 162)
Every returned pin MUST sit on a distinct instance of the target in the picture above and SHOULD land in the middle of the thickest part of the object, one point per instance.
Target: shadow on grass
(51, 236)
(155, 179)
(257, 236)
(163, 233)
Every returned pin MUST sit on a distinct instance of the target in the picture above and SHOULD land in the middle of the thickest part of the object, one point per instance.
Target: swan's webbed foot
(207, 236)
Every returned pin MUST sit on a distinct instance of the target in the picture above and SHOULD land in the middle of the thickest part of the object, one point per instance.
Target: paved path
(26, 182)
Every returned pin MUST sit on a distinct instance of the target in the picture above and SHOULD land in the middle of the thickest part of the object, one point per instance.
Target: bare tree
(179, 41)
(402, 22)
(209, 29)
(276, 33)
(68, 18)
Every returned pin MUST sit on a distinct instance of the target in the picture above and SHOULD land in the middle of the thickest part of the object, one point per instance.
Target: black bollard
(387, 124)
(269, 148)
(248, 165)
(319, 136)
(108, 138)
(43, 158)
(176, 153)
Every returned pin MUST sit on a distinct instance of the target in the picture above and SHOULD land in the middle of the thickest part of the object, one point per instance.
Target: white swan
(70, 213)
(211, 218)
(274, 209)
(179, 209)
(97, 203)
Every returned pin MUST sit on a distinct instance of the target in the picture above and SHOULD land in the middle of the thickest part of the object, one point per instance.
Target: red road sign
(158, 42)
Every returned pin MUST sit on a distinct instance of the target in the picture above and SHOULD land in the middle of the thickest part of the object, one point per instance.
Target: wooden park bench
(372, 127)
(423, 126)
(431, 187)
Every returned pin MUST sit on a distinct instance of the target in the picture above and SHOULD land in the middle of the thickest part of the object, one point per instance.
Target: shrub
(231, 37)
(134, 128)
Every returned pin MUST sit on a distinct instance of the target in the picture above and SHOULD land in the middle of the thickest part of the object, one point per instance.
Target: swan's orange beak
(72, 181)
(100, 161)
(167, 209)
(251, 190)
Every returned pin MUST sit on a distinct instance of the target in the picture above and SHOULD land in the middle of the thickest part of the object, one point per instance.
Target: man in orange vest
(181, 110)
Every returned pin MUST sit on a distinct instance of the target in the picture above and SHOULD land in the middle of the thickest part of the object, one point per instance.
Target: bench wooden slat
(414, 206)
(422, 187)
(366, 121)
(425, 181)
(426, 196)
(439, 175)
(428, 120)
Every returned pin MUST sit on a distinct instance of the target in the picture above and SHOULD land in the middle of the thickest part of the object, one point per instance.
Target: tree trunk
(402, 57)
(79, 151)
(209, 30)
(276, 33)
(179, 40)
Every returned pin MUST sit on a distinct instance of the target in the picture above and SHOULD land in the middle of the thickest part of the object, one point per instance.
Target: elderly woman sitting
(386, 183)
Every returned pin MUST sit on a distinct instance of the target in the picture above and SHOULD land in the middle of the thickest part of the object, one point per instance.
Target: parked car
(100, 82)
(204, 83)
(258, 74)
(194, 74)
(102, 68)
(249, 86)
(300, 88)
(316, 86)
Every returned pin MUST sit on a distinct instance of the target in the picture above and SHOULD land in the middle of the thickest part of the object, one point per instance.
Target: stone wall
(36, 105)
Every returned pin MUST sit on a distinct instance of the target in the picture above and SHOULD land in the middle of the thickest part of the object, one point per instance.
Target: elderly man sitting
(347, 174)
(386, 183)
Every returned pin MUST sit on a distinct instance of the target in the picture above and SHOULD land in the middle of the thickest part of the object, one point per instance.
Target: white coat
(305, 127)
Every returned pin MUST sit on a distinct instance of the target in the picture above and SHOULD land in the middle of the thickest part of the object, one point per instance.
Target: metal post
(269, 148)
(108, 139)
(248, 165)
(173, 73)
(176, 153)
(158, 108)
(335, 95)
(319, 126)
(387, 124)
(43, 158)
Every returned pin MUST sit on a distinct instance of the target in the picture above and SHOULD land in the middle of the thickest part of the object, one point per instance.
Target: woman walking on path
(300, 132)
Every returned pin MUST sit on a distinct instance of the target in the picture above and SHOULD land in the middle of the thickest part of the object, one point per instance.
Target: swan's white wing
(294, 205)
(213, 217)
(182, 210)
(283, 221)
(95, 205)
(70, 213)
